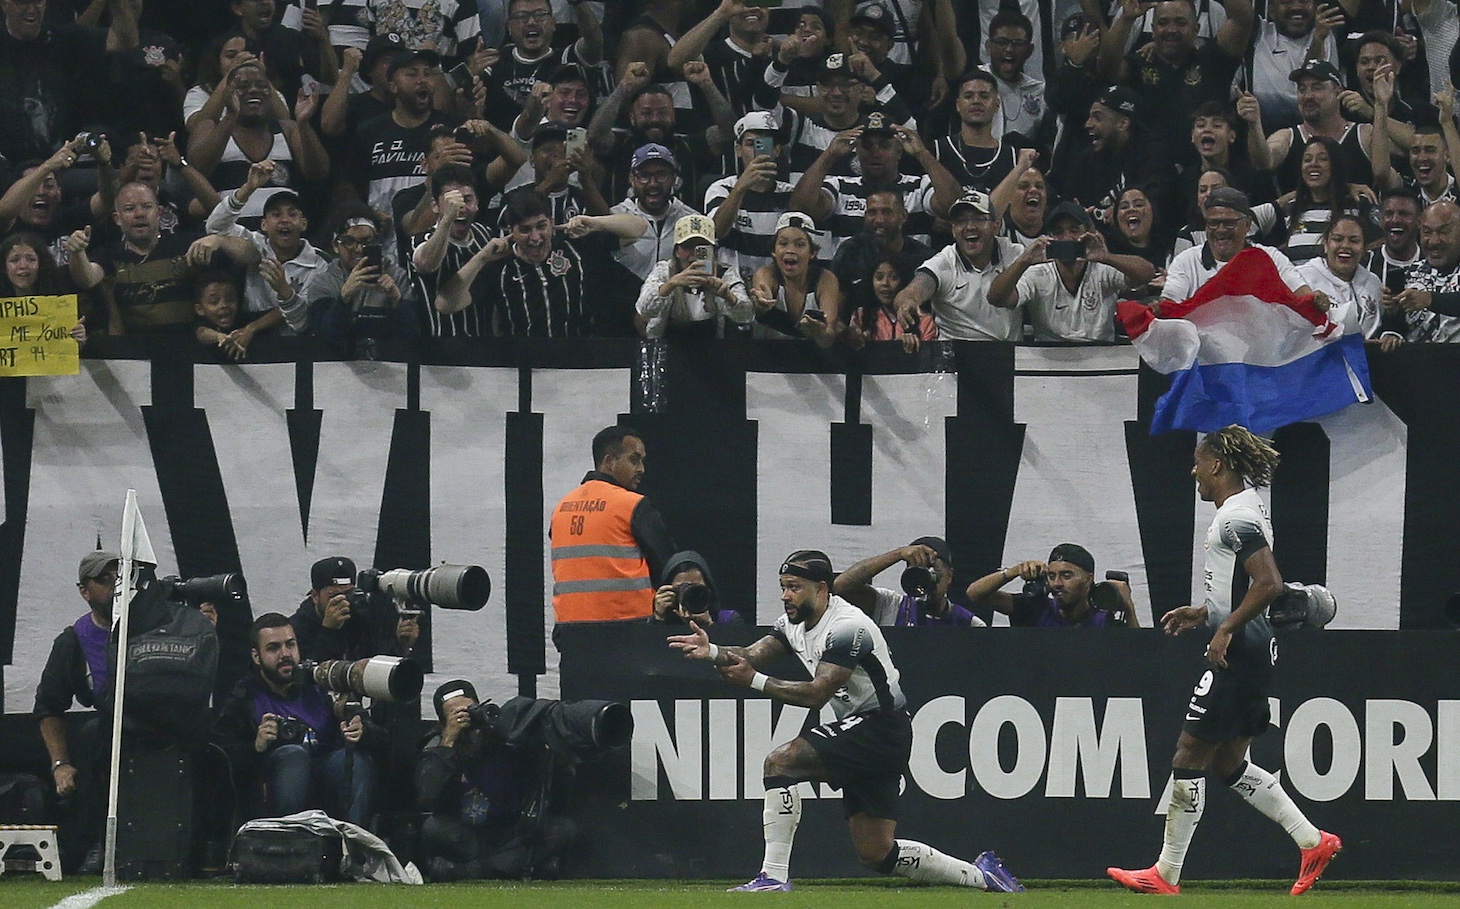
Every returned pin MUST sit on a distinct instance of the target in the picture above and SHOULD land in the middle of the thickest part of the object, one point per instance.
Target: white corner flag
(136, 549)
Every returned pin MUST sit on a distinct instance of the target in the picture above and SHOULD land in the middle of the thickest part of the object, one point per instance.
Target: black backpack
(172, 663)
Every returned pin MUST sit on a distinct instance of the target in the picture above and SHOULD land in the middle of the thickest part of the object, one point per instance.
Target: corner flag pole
(136, 547)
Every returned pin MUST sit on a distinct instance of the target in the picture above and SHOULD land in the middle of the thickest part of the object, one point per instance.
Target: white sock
(1183, 813)
(781, 816)
(1262, 791)
(922, 862)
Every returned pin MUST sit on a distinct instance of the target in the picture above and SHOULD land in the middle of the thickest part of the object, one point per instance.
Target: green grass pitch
(29, 892)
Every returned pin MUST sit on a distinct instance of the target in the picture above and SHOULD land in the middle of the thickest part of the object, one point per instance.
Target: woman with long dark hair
(876, 319)
(31, 271)
(1323, 193)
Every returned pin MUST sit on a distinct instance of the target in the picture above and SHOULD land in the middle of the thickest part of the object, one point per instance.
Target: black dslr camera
(292, 731)
(693, 598)
(484, 715)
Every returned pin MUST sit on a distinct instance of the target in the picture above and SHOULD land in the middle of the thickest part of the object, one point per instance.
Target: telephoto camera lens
(694, 598)
(919, 581)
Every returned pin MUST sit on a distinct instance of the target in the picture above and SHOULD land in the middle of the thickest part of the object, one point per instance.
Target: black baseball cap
(1075, 554)
(332, 571)
(1120, 99)
(380, 44)
(408, 57)
(547, 131)
(1317, 69)
(938, 545)
(838, 66)
(1067, 210)
(453, 689)
(280, 197)
(877, 16)
(877, 121)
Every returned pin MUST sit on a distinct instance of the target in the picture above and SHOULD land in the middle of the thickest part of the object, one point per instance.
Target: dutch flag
(1247, 350)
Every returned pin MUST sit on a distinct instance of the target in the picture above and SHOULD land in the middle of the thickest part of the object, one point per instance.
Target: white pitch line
(88, 898)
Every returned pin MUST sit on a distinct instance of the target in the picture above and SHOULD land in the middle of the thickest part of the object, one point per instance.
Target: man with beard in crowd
(527, 58)
(280, 729)
(956, 280)
(1064, 593)
(387, 153)
(839, 202)
(1431, 299)
(651, 177)
(1121, 154)
(653, 118)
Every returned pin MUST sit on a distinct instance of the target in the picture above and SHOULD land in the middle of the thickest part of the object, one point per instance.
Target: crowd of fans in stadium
(842, 171)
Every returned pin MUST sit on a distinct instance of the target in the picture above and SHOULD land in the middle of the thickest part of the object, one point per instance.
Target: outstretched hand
(1183, 618)
(695, 645)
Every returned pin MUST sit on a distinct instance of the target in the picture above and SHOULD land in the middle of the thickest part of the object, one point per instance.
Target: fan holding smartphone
(690, 294)
(1067, 281)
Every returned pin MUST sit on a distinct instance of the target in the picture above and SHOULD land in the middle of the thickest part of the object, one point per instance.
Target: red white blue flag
(1247, 350)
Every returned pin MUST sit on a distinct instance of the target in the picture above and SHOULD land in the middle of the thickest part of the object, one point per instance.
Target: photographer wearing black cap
(925, 581)
(475, 787)
(332, 622)
(1059, 593)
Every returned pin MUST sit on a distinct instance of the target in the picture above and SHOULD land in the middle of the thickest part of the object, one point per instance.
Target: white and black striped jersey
(551, 300)
(1240, 528)
(849, 207)
(752, 238)
(348, 22)
(473, 322)
(847, 636)
(810, 135)
(449, 26)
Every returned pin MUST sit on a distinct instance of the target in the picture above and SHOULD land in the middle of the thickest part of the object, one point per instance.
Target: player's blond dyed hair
(1246, 453)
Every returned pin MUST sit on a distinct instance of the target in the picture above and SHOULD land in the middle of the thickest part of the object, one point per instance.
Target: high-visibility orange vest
(599, 574)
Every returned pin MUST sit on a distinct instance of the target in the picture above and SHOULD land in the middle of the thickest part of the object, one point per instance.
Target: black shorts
(1229, 704)
(865, 756)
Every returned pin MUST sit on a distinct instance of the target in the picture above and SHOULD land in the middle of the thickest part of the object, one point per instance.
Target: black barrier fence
(1051, 747)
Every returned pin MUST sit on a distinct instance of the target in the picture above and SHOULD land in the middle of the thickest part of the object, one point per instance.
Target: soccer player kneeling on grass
(863, 752)
(1229, 704)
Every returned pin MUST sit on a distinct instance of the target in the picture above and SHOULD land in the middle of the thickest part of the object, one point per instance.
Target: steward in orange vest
(608, 542)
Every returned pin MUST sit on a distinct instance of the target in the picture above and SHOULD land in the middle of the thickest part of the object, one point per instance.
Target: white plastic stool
(42, 838)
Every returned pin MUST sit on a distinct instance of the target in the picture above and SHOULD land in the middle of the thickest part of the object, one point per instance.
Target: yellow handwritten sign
(35, 336)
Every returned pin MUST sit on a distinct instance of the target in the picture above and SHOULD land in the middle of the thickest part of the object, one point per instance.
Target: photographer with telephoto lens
(334, 621)
(476, 788)
(925, 581)
(689, 594)
(1059, 593)
(281, 730)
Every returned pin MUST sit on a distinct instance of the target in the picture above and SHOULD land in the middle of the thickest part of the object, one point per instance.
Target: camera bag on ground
(268, 853)
(311, 848)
